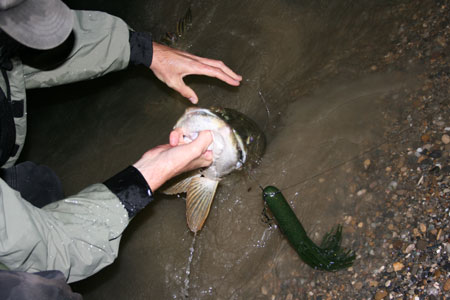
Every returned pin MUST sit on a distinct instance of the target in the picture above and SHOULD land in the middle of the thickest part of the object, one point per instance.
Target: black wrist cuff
(141, 48)
(132, 190)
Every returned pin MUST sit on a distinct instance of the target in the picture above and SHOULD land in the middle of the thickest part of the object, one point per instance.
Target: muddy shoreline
(401, 224)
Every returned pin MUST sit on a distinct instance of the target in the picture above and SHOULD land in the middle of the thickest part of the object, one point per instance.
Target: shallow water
(306, 82)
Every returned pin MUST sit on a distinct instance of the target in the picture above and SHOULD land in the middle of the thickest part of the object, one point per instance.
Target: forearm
(78, 235)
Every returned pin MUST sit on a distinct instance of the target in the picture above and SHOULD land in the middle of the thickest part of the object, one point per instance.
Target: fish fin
(179, 184)
(200, 195)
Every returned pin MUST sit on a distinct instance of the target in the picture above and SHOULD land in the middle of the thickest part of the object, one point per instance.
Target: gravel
(402, 238)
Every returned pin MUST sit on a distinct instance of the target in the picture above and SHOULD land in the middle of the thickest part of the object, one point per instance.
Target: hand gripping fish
(237, 141)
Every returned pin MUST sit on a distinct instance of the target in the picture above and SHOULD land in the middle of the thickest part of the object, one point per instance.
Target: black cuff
(141, 48)
(132, 190)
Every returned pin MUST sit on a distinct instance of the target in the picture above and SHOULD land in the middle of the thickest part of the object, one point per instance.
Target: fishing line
(254, 179)
(267, 109)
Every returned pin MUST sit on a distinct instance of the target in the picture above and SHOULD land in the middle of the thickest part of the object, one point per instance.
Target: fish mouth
(242, 153)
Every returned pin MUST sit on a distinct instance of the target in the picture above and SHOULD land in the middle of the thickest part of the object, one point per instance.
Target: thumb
(204, 139)
(187, 92)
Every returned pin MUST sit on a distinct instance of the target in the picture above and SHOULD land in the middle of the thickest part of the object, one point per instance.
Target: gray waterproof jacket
(78, 235)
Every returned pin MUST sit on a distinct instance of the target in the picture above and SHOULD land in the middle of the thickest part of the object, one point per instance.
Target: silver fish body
(237, 141)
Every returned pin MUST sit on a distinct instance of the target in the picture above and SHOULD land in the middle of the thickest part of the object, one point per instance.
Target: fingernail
(193, 100)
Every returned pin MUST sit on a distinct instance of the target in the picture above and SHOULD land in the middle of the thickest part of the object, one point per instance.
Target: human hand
(166, 161)
(172, 65)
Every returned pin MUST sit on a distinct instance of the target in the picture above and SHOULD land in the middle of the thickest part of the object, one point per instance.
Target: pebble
(433, 291)
(445, 139)
(421, 158)
(426, 163)
(380, 294)
(425, 138)
(447, 285)
(358, 285)
(397, 266)
(361, 192)
(422, 245)
(426, 148)
(435, 154)
(422, 227)
(392, 185)
(367, 164)
(373, 283)
(410, 248)
(397, 244)
(264, 290)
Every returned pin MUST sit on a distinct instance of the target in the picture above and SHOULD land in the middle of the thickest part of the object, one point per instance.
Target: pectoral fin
(200, 195)
(179, 184)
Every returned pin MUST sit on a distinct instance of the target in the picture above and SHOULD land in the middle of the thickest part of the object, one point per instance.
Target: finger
(196, 154)
(220, 65)
(208, 155)
(203, 161)
(203, 141)
(211, 71)
(176, 137)
(225, 73)
(214, 63)
(186, 92)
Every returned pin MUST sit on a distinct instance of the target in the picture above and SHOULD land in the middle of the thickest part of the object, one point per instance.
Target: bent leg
(37, 184)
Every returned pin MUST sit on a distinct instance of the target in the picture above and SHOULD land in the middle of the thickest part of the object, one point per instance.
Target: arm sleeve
(141, 48)
(101, 46)
(78, 235)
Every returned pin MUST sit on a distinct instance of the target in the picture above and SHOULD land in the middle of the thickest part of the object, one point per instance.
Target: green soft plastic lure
(329, 256)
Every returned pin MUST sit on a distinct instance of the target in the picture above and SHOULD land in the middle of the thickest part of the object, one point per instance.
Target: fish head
(237, 140)
(251, 140)
(225, 146)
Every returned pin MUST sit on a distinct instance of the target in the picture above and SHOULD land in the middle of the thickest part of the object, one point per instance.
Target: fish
(238, 142)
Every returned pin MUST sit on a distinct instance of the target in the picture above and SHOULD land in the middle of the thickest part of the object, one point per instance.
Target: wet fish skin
(237, 142)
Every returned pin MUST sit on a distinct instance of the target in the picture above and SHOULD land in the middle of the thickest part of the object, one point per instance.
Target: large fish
(237, 141)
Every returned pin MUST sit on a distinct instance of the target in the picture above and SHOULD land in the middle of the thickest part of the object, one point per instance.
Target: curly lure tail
(329, 256)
